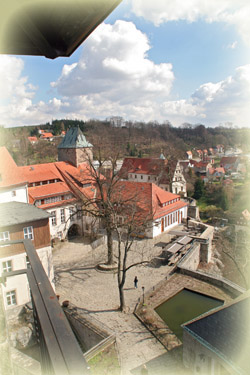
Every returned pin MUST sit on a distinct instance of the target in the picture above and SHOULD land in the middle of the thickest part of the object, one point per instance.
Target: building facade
(20, 221)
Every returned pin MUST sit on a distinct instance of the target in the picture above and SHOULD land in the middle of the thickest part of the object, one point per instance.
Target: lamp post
(143, 294)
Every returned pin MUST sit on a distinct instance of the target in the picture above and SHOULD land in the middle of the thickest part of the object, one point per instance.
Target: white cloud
(233, 12)
(114, 76)
(17, 95)
(212, 103)
(11, 82)
(114, 64)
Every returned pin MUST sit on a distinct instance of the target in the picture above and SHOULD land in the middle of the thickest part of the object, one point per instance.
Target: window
(53, 217)
(13, 193)
(135, 175)
(7, 266)
(11, 298)
(62, 215)
(53, 199)
(28, 233)
(4, 236)
(141, 177)
(79, 214)
(71, 213)
(68, 196)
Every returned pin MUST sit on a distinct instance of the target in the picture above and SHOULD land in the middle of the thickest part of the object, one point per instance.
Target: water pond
(184, 306)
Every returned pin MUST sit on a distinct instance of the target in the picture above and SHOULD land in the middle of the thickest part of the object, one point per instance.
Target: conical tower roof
(74, 138)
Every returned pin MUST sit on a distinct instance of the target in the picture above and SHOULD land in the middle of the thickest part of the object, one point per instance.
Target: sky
(183, 62)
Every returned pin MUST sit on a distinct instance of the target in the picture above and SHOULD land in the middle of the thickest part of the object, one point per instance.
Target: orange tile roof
(48, 190)
(9, 172)
(47, 135)
(40, 172)
(220, 169)
(148, 198)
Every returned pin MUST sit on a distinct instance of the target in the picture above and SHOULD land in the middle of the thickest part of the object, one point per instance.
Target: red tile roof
(9, 172)
(46, 135)
(32, 139)
(48, 190)
(228, 160)
(148, 198)
(142, 165)
(40, 172)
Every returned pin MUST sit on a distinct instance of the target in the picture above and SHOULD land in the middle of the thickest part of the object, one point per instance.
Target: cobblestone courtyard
(78, 281)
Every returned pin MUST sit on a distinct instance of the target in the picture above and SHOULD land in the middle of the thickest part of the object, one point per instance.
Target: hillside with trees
(135, 139)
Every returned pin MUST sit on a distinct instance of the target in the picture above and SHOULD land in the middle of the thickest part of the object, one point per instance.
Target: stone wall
(89, 331)
(75, 156)
(192, 259)
(205, 238)
(234, 289)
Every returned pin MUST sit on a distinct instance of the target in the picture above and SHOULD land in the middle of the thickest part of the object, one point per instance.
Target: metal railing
(60, 351)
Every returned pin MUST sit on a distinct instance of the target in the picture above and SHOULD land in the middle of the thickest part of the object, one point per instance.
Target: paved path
(78, 281)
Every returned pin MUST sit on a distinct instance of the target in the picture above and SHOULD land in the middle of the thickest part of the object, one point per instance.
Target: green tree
(198, 189)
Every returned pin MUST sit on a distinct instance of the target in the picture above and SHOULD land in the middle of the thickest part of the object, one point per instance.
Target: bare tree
(133, 217)
(234, 245)
(122, 210)
(104, 178)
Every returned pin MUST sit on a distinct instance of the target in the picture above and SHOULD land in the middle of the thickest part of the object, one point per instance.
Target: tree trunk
(122, 299)
(110, 246)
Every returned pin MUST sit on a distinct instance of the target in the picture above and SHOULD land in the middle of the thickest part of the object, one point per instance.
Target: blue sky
(149, 61)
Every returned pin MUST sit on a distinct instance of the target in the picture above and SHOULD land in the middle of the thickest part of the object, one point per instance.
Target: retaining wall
(88, 330)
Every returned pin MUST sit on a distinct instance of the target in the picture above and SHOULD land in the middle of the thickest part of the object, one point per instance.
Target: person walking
(135, 281)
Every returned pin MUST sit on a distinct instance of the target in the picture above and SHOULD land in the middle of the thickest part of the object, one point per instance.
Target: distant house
(33, 140)
(189, 155)
(166, 174)
(200, 153)
(116, 121)
(215, 173)
(219, 149)
(160, 209)
(22, 221)
(201, 167)
(230, 163)
(218, 342)
(47, 136)
(205, 153)
(211, 151)
(186, 165)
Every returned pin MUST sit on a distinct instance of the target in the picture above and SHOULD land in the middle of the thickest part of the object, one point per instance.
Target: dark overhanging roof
(226, 331)
(49, 28)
